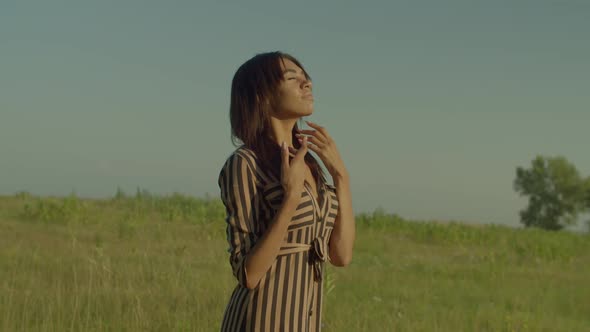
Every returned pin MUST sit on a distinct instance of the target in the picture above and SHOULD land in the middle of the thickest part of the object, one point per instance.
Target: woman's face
(295, 98)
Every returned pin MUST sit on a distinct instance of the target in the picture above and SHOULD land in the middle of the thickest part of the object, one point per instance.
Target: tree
(587, 199)
(557, 193)
(587, 191)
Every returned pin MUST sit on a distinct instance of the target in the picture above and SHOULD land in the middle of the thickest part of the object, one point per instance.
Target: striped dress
(289, 295)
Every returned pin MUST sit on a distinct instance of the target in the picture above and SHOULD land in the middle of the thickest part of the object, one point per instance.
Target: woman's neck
(283, 130)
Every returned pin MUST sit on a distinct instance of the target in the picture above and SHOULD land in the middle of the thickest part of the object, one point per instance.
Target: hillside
(144, 262)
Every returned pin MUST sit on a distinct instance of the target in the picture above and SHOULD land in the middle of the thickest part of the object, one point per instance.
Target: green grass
(147, 263)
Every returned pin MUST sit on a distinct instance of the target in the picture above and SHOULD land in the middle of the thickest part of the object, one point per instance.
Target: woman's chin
(299, 113)
(308, 111)
(303, 114)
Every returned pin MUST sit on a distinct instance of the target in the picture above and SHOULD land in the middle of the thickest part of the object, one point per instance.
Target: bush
(56, 210)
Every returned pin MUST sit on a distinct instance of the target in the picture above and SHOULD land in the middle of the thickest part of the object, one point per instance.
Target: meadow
(159, 263)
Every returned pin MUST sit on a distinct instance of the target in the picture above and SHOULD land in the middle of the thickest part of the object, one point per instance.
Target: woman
(283, 219)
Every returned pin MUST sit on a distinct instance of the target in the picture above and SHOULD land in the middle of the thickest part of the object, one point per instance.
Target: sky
(432, 104)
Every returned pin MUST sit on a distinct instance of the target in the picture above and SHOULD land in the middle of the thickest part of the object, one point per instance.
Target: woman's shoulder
(248, 160)
(242, 154)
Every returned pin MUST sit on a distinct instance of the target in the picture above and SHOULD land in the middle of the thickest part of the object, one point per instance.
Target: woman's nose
(307, 83)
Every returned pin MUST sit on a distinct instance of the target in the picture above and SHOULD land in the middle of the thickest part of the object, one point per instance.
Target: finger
(302, 150)
(314, 148)
(292, 151)
(315, 141)
(284, 157)
(319, 128)
(313, 133)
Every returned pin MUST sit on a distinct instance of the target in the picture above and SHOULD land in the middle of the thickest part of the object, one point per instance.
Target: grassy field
(147, 263)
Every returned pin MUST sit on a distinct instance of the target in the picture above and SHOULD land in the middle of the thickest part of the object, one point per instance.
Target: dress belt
(317, 253)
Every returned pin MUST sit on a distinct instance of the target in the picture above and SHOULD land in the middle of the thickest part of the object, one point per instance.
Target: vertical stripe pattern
(289, 295)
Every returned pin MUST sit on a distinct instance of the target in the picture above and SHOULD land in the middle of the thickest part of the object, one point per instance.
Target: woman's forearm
(265, 251)
(343, 234)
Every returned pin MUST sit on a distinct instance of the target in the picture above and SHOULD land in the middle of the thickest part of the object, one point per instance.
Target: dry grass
(147, 263)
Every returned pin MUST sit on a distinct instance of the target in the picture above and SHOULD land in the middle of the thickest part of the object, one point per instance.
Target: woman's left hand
(320, 142)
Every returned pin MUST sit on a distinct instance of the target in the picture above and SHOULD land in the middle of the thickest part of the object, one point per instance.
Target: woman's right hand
(293, 173)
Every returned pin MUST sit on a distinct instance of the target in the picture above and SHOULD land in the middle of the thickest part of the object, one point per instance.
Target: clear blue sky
(433, 104)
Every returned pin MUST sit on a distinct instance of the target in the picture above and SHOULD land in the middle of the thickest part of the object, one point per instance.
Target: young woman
(283, 219)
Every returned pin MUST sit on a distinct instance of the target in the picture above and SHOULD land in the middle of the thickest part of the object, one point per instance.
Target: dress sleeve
(237, 183)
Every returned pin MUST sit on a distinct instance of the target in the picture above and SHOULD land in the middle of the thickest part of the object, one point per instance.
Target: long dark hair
(254, 92)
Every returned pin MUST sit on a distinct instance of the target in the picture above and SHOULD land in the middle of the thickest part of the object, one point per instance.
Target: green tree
(557, 194)
(587, 199)
(587, 191)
